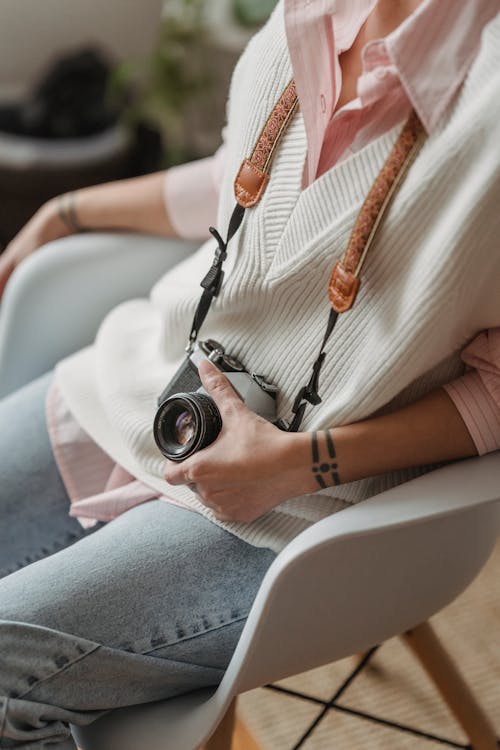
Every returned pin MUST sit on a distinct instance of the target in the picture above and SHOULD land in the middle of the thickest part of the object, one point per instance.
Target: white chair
(376, 570)
(56, 299)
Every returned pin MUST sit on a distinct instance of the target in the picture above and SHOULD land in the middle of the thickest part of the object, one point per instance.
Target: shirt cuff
(191, 198)
(477, 408)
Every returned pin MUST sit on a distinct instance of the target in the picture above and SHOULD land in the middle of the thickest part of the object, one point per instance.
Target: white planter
(28, 154)
(32, 170)
(34, 32)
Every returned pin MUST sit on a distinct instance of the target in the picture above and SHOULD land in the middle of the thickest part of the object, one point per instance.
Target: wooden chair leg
(456, 693)
(243, 738)
(232, 734)
(372, 667)
(222, 738)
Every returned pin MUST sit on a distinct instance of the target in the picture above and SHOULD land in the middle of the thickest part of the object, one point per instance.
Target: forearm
(428, 431)
(135, 205)
(253, 466)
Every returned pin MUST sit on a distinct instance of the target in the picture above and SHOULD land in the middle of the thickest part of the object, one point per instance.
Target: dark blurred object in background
(146, 149)
(89, 120)
(66, 135)
(69, 102)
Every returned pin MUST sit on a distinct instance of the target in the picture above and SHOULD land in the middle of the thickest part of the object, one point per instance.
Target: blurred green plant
(179, 73)
(253, 12)
(159, 89)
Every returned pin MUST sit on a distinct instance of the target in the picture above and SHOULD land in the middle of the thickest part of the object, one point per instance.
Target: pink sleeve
(191, 194)
(477, 393)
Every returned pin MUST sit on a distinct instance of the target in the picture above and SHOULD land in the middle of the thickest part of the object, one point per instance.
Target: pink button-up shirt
(421, 65)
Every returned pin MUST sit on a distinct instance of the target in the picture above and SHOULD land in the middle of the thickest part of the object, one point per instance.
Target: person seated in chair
(373, 365)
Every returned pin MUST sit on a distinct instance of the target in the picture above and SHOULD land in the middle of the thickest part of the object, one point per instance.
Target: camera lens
(186, 423)
(184, 430)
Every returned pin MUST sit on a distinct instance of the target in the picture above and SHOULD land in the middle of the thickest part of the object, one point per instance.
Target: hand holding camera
(251, 467)
(188, 419)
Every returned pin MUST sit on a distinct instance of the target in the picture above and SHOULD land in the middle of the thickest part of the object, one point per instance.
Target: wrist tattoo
(328, 468)
(67, 212)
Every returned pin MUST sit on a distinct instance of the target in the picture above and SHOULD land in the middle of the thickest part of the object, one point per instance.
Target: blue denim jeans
(145, 607)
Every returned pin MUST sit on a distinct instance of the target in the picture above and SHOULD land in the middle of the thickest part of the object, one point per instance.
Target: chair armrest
(56, 299)
(370, 572)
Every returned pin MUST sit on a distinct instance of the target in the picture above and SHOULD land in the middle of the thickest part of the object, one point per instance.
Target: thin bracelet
(67, 212)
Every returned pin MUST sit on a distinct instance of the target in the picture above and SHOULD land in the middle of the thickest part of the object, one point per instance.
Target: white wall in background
(34, 32)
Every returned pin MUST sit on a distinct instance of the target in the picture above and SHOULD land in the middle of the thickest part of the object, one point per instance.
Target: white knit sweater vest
(430, 283)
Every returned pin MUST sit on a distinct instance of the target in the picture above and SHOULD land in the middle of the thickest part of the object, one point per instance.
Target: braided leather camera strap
(249, 186)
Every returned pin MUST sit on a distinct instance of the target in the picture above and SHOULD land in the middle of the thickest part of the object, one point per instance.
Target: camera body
(187, 419)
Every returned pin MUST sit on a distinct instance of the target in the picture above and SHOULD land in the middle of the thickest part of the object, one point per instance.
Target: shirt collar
(431, 52)
(433, 49)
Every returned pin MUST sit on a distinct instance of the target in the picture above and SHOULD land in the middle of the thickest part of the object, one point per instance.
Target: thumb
(219, 388)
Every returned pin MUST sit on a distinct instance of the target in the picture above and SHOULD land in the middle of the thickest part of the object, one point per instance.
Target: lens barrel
(186, 423)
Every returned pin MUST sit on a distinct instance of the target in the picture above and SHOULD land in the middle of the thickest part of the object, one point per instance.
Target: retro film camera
(188, 419)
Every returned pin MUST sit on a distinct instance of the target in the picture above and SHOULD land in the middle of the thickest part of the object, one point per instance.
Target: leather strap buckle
(342, 288)
(249, 185)
(253, 175)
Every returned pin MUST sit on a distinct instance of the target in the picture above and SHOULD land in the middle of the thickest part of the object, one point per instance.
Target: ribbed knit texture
(430, 283)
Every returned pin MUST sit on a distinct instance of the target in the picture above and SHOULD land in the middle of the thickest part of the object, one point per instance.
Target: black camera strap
(212, 282)
(250, 184)
(309, 394)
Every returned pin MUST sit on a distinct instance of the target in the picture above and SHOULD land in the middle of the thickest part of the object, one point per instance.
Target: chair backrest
(373, 571)
(45, 312)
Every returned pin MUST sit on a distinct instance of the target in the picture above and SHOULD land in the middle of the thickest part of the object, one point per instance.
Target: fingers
(183, 474)
(176, 474)
(219, 388)
(191, 471)
(195, 477)
(226, 503)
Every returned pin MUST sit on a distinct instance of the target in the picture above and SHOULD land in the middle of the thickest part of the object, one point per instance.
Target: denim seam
(195, 635)
(62, 669)
(143, 653)
(186, 661)
(88, 653)
(56, 546)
